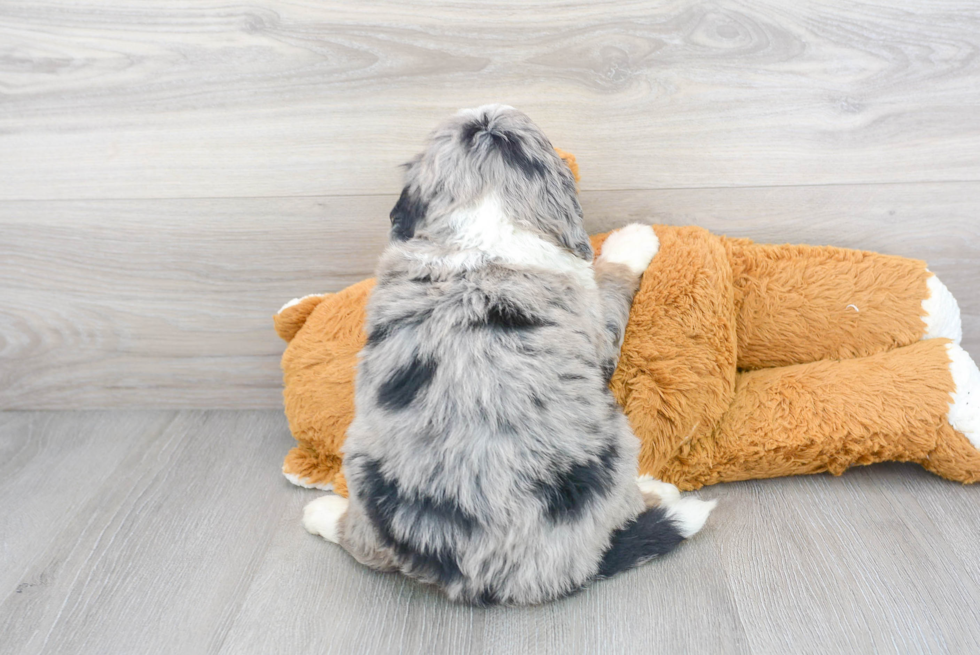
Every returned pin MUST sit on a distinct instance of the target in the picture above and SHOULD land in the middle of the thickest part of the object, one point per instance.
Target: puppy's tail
(656, 531)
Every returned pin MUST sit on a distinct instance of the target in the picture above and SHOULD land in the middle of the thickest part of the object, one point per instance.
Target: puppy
(487, 455)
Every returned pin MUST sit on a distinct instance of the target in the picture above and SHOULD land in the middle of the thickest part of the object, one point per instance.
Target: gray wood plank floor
(173, 532)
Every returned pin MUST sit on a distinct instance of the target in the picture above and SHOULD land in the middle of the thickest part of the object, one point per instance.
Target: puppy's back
(486, 448)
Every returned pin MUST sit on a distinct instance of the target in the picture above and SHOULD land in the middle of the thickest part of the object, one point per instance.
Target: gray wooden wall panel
(203, 99)
(168, 303)
(172, 172)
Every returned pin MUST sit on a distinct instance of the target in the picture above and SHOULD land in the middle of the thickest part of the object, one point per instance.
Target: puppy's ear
(576, 239)
(571, 231)
(407, 213)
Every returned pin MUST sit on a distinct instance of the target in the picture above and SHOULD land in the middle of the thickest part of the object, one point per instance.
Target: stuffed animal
(740, 361)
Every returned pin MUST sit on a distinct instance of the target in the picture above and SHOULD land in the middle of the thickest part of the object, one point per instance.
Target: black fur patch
(487, 598)
(566, 496)
(383, 500)
(613, 330)
(511, 151)
(649, 535)
(473, 129)
(404, 385)
(584, 250)
(506, 143)
(406, 215)
(381, 331)
(608, 368)
(504, 315)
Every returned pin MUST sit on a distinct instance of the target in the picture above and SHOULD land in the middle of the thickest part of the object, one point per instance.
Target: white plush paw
(690, 514)
(941, 312)
(295, 301)
(321, 516)
(964, 408)
(634, 245)
(300, 482)
(665, 491)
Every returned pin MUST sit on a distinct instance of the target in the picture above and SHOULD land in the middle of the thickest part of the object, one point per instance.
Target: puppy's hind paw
(690, 514)
(322, 515)
(634, 246)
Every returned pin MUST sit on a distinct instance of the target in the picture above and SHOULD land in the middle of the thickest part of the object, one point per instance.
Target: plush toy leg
(676, 373)
(920, 403)
(319, 366)
(800, 304)
(292, 316)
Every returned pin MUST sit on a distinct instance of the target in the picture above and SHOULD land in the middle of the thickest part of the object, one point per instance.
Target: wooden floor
(172, 532)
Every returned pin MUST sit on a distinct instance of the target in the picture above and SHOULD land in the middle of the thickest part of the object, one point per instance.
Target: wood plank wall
(172, 172)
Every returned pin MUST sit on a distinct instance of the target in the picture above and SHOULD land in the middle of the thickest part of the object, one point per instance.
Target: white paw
(941, 313)
(689, 514)
(634, 245)
(667, 492)
(964, 408)
(321, 515)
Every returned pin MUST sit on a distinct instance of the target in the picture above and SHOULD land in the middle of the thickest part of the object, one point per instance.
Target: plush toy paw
(941, 313)
(296, 301)
(300, 482)
(292, 316)
(634, 246)
(964, 408)
(321, 516)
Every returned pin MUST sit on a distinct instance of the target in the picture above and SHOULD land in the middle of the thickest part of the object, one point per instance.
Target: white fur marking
(483, 231)
(854, 306)
(321, 515)
(942, 313)
(964, 408)
(634, 245)
(690, 514)
(667, 492)
(296, 301)
(300, 482)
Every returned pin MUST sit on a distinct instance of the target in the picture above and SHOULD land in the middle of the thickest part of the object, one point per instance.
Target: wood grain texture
(105, 99)
(50, 471)
(168, 303)
(171, 545)
(157, 559)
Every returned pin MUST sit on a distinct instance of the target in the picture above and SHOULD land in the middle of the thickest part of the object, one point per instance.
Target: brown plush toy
(740, 361)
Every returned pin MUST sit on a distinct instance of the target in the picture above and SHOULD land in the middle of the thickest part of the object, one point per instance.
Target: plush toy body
(740, 361)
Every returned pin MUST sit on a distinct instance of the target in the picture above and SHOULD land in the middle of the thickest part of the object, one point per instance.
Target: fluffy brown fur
(740, 361)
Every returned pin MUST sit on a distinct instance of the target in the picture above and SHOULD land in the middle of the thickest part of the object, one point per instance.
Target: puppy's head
(491, 151)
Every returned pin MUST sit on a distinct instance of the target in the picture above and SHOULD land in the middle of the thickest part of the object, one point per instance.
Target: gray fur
(475, 151)
(483, 385)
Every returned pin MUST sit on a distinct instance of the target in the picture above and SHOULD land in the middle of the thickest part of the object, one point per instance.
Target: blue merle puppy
(487, 455)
